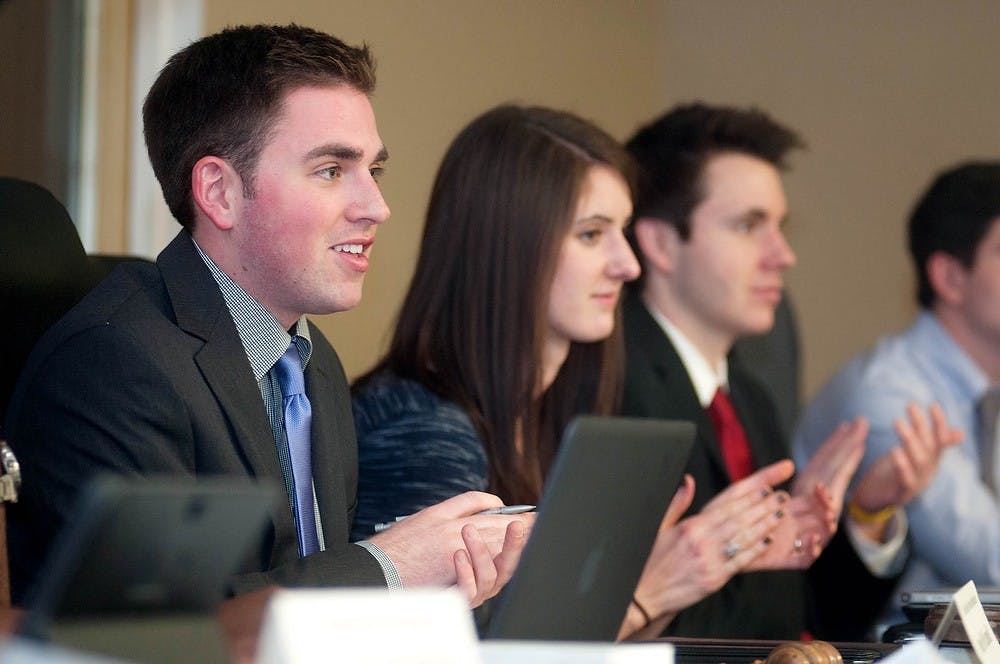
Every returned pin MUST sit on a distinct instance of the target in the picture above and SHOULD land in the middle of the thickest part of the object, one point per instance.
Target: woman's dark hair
(474, 321)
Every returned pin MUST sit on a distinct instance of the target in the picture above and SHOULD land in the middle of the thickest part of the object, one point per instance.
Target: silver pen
(506, 509)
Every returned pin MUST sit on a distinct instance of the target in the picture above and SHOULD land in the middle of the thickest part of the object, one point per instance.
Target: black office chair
(774, 359)
(44, 271)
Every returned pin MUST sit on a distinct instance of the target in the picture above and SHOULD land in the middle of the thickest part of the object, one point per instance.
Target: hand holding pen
(452, 543)
(507, 509)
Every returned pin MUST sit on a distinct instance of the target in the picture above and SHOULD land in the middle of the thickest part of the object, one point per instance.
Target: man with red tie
(708, 230)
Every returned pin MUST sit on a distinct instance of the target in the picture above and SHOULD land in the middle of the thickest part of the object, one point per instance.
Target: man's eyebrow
(343, 152)
(756, 215)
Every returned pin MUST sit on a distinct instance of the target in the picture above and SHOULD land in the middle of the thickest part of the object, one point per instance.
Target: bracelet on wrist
(644, 612)
(861, 515)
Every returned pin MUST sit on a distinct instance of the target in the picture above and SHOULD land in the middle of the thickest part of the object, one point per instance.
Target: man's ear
(217, 190)
(947, 276)
(658, 242)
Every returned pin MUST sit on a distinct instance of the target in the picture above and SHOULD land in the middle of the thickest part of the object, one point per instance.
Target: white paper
(369, 626)
(919, 652)
(548, 652)
(27, 651)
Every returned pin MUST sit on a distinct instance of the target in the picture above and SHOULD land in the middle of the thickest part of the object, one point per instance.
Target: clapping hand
(696, 556)
(817, 499)
(906, 470)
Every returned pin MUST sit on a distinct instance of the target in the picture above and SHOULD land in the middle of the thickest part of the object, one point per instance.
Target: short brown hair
(953, 216)
(222, 94)
(673, 150)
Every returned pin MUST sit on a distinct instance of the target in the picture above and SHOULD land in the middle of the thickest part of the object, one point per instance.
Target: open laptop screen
(599, 513)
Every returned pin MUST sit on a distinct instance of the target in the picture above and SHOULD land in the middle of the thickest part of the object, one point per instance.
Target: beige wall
(114, 126)
(885, 93)
(440, 64)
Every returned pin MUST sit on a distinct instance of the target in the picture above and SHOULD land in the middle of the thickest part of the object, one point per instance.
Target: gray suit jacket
(147, 375)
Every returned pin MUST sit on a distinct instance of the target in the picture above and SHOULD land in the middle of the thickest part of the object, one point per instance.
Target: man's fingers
(465, 578)
(919, 422)
(506, 562)
(483, 570)
(946, 435)
(836, 460)
(844, 471)
(843, 442)
(465, 504)
(905, 471)
(829, 449)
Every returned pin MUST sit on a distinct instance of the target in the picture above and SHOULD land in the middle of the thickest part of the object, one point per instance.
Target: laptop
(917, 604)
(598, 515)
(144, 555)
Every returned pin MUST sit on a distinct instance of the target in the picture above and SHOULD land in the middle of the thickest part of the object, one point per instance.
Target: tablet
(599, 513)
(148, 546)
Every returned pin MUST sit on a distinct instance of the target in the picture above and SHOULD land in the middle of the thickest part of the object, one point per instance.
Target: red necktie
(732, 437)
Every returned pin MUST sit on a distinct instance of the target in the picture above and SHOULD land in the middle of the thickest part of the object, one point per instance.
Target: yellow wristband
(862, 515)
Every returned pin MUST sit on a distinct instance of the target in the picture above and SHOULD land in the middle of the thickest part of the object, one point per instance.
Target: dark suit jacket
(147, 375)
(837, 599)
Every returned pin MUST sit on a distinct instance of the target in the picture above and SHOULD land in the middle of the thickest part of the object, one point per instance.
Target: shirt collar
(706, 379)
(264, 339)
(950, 361)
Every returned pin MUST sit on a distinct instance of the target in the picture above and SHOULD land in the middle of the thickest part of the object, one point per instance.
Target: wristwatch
(10, 480)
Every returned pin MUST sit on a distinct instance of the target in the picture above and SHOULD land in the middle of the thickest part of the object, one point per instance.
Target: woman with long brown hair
(509, 329)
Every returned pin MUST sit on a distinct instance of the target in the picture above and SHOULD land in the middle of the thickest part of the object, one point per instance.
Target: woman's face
(594, 261)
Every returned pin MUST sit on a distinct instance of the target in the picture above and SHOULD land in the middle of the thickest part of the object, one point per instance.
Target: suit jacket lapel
(758, 414)
(201, 312)
(672, 384)
(334, 451)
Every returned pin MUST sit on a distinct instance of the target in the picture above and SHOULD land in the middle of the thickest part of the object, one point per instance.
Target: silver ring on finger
(731, 549)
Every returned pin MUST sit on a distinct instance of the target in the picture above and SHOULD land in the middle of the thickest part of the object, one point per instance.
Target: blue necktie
(298, 420)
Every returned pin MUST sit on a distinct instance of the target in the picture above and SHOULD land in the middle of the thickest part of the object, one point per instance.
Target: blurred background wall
(884, 93)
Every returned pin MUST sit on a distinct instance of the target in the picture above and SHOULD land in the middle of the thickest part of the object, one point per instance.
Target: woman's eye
(590, 236)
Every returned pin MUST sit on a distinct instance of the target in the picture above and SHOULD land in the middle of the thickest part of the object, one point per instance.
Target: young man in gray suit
(266, 149)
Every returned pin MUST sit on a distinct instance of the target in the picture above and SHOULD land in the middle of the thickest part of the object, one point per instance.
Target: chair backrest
(774, 359)
(44, 271)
